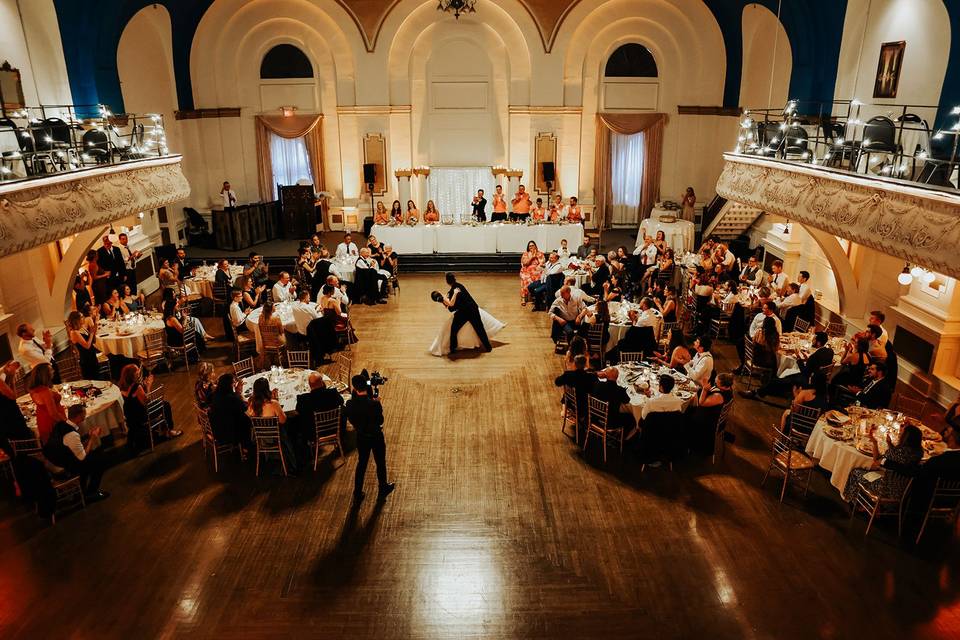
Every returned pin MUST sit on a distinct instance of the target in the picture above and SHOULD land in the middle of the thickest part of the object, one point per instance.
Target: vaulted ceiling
(370, 14)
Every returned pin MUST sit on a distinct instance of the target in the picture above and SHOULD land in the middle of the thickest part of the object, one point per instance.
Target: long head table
(492, 237)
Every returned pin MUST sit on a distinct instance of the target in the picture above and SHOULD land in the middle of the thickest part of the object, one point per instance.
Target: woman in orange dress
(381, 216)
(413, 214)
(538, 213)
(574, 212)
(499, 205)
(531, 267)
(49, 409)
(396, 212)
(431, 214)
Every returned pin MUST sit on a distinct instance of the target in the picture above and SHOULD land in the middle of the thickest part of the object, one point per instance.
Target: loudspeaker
(369, 173)
(548, 174)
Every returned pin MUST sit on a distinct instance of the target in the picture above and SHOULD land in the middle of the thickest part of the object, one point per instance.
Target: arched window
(631, 60)
(285, 61)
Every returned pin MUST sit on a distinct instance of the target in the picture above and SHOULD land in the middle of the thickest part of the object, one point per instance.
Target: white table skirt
(840, 458)
(639, 399)
(111, 343)
(289, 383)
(465, 239)
(679, 234)
(286, 317)
(404, 239)
(104, 411)
(204, 277)
(488, 238)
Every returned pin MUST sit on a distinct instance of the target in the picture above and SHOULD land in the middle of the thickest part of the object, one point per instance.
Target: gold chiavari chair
(298, 359)
(326, 425)
(189, 343)
(595, 342)
(597, 424)
(154, 351)
(752, 368)
(944, 504)
(68, 363)
(570, 414)
(631, 356)
(272, 345)
(802, 420)
(266, 437)
(787, 461)
(208, 440)
(243, 368)
(344, 371)
(876, 504)
(20, 382)
(720, 440)
(156, 412)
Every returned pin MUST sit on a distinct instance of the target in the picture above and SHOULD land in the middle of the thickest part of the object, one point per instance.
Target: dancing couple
(468, 326)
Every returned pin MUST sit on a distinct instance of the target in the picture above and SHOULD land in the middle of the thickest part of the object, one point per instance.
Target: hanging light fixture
(916, 271)
(456, 7)
(905, 277)
(928, 277)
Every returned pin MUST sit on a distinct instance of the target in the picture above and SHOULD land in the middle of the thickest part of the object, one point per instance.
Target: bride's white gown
(467, 338)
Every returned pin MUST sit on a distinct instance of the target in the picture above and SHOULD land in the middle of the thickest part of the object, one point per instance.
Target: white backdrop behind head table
(452, 190)
(485, 238)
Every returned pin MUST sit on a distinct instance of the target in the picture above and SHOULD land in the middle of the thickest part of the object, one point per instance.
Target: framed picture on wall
(888, 69)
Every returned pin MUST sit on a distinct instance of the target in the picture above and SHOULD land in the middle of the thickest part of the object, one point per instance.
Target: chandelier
(457, 7)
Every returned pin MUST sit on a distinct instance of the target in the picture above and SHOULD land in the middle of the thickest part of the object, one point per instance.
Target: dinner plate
(684, 395)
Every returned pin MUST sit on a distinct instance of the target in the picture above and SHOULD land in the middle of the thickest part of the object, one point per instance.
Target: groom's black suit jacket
(464, 301)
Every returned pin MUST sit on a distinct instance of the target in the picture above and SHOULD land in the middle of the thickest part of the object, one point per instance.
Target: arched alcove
(767, 59)
(631, 60)
(285, 61)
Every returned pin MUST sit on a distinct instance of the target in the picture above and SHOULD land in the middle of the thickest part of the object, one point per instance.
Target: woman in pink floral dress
(531, 266)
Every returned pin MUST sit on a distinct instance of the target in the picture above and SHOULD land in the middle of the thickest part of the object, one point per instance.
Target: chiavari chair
(876, 504)
(344, 371)
(720, 324)
(154, 351)
(752, 368)
(595, 341)
(802, 420)
(243, 368)
(208, 440)
(156, 412)
(189, 343)
(266, 437)
(720, 440)
(570, 414)
(944, 504)
(68, 363)
(598, 425)
(786, 460)
(272, 345)
(326, 426)
(631, 356)
(298, 359)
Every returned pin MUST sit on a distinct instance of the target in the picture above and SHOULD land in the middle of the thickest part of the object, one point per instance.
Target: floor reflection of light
(460, 583)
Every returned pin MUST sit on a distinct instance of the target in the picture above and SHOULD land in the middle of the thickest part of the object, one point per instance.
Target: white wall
(767, 59)
(33, 46)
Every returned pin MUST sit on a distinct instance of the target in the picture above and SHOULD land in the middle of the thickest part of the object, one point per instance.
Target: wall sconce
(288, 111)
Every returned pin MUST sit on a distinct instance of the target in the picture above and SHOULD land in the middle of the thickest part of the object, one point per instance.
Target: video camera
(374, 381)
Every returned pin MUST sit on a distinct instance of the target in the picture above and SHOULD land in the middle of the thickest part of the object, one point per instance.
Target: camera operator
(365, 413)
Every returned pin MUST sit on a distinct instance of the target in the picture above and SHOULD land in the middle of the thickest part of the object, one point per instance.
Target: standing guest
(778, 279)
(264, 404)
(82, 338)
(479, 205)
(134, 408)
(99, 277)
(660, 241)
(130, 258)
(752, 274)
(348, 248)
(376, 249)
(521, 204)
(887, 476)
(81, 291)
(701, 365)
(303, 311)
(431, 215)
(584, 250)
(499, 205)
(688, 204)
(366, 416)
(228, 414)
(181, 261)
(284, 290)
(538, 213)
(168, 276)
(228, 196)
(79, 456)
(47, 401)
(381, 216)
(531, 267)
(305, 268)
(648, 254)
(706, 416)
(805, 291)
(574, 211)
(13, 426)
(31, 351)
(110, 259)
(413, 214)
(203, 388)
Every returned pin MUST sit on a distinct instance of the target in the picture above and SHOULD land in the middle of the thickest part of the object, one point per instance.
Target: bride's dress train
(467, 337)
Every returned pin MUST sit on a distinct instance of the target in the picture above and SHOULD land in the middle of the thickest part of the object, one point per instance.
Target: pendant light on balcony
(905, 277)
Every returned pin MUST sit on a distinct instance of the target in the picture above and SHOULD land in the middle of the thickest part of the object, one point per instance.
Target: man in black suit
(319, 398)
(607, 390)
(67, 449)
(480, 206)
(110, 258)
(464, 309)
(811, 369)
(876, 393)
(366, 416)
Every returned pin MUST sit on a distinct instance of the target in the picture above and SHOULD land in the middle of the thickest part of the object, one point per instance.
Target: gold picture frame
(889, 67)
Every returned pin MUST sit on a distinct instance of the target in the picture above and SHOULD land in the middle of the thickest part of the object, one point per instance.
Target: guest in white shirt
(31, 350)
(304, 311)
(284, 290)
(542, 286)
(701, 366)
(228, 195)
(769, 308)
(338, 293)
(647, 253)
(792, 299)
(663, 402)
(564, 250)
(564, 313)
(877, 318)
(238, 319)
(649, 317)
(728, 257)
(576, 292)
(805, 290)
(347, 248)
(778, 279)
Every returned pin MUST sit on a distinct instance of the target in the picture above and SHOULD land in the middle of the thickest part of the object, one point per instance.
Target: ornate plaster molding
(36, 212)
(922, 226)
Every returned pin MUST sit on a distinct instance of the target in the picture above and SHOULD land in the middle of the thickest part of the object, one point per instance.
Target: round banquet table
(659, 212)
(630, 374)
(289, 383)
(281, 309)
(104, 411)
(787, 364)
(204, 277)
(679, 234)
(126, 338)
(582, 277)
(347, 268)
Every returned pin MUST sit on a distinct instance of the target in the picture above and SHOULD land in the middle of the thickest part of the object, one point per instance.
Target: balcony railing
(880, 140)
(52, 139)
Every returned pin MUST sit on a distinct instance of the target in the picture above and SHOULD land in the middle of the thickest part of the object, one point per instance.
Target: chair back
(782, 446)
(631, 356)
(155, 399)
(597, 413)
(595, 335)
(570, 400)
(25, 447)
(344, 363)
(748, 349)
(910, 406)
(836, 329)
(326, 424)
(155, 342)
(203, 421)
(68, 363)
(298, 359)
(58, 130)
(243, 368)
(724, 416)
(20, 382)
(795, 139)
(266, 434)
(270, 337)
(803, 419)
(221, 292)
(801, 325)
(881, 133)
(189, 333)
(95, 139)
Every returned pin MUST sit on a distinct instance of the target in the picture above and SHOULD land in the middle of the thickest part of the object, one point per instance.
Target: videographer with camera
(365, 413)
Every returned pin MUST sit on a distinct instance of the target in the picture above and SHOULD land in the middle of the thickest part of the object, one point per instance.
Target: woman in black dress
(706, 416)
(81, 291)
(82, 337)
(171, 323)
(134, 408)
(228, 413)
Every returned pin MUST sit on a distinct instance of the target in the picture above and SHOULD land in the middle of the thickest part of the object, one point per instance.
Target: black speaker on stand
(549, 175)
(370, 177)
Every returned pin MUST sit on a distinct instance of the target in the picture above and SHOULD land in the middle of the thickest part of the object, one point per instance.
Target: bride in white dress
(467, 338)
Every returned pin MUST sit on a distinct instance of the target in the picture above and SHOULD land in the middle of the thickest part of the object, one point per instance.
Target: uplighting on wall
(288, 111)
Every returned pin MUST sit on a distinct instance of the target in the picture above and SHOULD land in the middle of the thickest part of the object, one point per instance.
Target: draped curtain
(307, 127)
(626, 176)
(651, 126)
(290, 162)
(452, 190)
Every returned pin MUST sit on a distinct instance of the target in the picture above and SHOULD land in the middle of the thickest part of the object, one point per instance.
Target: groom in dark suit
(464, 309)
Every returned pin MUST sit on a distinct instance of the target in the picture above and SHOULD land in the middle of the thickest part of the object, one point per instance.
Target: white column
(404, 192)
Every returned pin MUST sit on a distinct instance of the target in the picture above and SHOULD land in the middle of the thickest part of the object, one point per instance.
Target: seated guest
(947, 464)
(706, 415)
(13, 425)
(382, 216)
(236, 316)
(221, 278)
(564, 250)
(33, 351)
(665, 401)
(887, 477)
(338, 291)
(77, 455)
(431, 215)
(389, 260)
(203, 388)
(285, 290)
(875, 393)
(752, 274)
(113, 306)
(578, 347)
(649, 317)
(319, 398)
(607, 390)
(264, 404)
(413, 214)
(133, 302)
(49, 409)
(564, 313)
(270, 319)
(853, 364)
(583, 250)
(347, 249)
(324, 267)
(172, 326)
(541, 290)
(601, 273)
(792, 298)
(778, 280)
(168, 276)
(804, 394)
(228, 413)
(82, 338)
(134, 394)
(378, 291)
(252, 296)
(701, 365)
(647, 253)
(575, 291)
(766, 344)
(303, 311)
(580, 380)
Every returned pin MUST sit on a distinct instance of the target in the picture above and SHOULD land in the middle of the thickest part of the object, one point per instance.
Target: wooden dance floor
(499, 527)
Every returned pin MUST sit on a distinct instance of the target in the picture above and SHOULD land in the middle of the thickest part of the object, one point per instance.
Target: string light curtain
(307, 127)
(651, 126)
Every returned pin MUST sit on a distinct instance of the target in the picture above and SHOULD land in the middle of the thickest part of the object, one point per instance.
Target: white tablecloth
(840, 458)
(282, 310)
(126, 338)
(465, 239)
(202, 281)
(346, 269)
(630, 375)
(104, 411)
(659, 212)
(288, 382)
(404, 239)
(679, 234)
(487, 238)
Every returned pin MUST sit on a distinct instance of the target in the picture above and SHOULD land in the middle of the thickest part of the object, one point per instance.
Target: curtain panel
(306, 126)
(651, 126)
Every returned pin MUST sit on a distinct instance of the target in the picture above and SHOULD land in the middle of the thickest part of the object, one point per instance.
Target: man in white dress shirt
(284, 290)
(792, 299)
(130, 258)
(338, 293)
(701, 366)
(541, 287)
(805, 291)
(752, 274)
(649, 317)
(347, 248)
(663, 402)
(767, 309)
(228, 195)
(238, 319)
(778, 279)
(564, 313)
(304, 311)
(647, 253)
(32, 351)
(575, 292)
